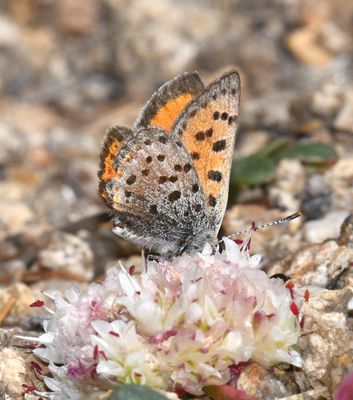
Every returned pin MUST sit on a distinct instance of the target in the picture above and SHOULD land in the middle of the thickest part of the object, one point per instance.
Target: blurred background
(70, 69)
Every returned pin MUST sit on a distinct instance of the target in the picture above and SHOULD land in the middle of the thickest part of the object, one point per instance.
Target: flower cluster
(181, 325)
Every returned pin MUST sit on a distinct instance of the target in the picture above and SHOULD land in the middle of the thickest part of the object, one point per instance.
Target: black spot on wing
(214, 176)
(219, 145)
(161, 157)
(195, 188)
(153, 209)
(198, 207)
(209, 132)
(200, 136)
(212, 200)
(178, 168)
(131, 179)
(187, 167)
(174, 196)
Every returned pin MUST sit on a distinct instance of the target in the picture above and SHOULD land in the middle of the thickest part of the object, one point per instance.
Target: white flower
(182, 324)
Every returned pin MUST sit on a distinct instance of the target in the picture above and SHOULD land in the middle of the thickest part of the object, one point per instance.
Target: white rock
(12, 372)
(14, 216)
(350, 304)
(9, 33)
(324, 228)
(344, 119)
(68, 252)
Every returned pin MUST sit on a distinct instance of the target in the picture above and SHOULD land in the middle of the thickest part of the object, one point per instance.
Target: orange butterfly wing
(207, 129)
(169, 101)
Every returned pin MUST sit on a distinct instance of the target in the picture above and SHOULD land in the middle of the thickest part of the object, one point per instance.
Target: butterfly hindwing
(207, 129)
(108, 171)
(168, 102)
(149, 181)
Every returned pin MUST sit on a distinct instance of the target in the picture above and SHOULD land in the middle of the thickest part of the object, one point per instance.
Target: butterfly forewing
(169, 101)
(207, 129)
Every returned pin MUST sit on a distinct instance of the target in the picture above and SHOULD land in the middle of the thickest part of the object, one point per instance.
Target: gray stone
(316, 197)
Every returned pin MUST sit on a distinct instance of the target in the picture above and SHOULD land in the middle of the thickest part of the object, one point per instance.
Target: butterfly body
(167, 179)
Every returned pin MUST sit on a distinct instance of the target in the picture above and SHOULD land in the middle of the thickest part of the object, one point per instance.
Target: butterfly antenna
(255, 227)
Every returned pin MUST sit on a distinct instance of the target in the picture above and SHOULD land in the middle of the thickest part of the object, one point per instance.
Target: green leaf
(309, 153)
(260, 167)
(272, 148)
(135, 392)
(252, 170)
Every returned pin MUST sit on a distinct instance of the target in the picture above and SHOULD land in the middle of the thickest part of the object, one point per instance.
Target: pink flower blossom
(344, 391)
(180, 326)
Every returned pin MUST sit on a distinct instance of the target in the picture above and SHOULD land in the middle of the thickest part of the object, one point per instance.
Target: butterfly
(166, 179)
